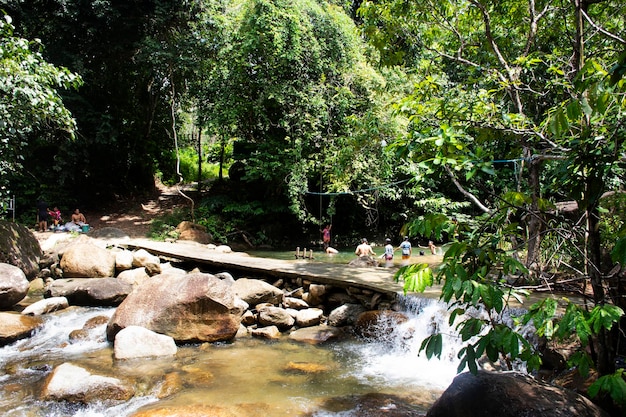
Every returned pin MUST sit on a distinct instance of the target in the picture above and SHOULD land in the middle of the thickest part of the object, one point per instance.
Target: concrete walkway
(375, 279)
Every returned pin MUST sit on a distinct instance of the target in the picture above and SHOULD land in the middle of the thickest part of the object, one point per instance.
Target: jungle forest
(495, 127)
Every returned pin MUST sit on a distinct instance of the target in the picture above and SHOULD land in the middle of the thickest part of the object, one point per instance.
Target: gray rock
(275, 316)
(345, 315)
(74, 384)
(13, 285)
(510, 394)
(20, 248)
(47, 305)
(89, 291)
(254, 291)
(87, 260)
(295, 303)
(315, 334)
(190, 308)
(138, 342)
(364, 262)
(269, 332)
(309, 317)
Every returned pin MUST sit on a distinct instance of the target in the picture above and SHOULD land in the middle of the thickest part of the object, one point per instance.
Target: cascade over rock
(74, 384)
(14, 326)
(196, 307)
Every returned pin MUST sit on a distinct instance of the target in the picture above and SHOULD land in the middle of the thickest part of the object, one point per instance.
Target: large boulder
(196, 307)
(74, 384)
(255, 291)
(510, 394)
(13, 285)
(14, 326)
(20, 248)
(90, 291)
(193, 232)
(87, 260)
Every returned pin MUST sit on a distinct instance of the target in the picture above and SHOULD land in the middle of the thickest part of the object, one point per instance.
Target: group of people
(365, 249)
(44, 215)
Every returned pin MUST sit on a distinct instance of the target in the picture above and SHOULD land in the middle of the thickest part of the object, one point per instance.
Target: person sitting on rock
(78, 218)
(55, 216)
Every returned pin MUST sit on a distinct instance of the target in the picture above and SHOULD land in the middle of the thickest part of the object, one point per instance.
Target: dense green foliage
(465, 121)
(30, 104)
(519, 109)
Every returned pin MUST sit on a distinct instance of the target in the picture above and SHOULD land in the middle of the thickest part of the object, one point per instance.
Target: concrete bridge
(374, 279)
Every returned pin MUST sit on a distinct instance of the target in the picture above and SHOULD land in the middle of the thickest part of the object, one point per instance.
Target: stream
(247, 374)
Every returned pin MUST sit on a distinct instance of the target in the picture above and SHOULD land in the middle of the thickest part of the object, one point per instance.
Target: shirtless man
(364, 249)
(78, 218)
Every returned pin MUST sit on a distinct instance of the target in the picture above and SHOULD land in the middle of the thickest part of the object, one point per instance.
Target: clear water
(247, 377)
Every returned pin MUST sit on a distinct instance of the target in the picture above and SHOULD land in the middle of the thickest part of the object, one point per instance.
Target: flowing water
(247, 374)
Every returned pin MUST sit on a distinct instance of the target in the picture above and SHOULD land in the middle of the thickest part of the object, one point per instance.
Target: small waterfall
(394, 358)
(51, 340)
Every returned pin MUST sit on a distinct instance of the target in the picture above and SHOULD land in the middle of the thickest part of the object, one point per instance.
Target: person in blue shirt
(406, 249)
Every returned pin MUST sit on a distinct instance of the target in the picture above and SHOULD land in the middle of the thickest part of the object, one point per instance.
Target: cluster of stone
(160, 306)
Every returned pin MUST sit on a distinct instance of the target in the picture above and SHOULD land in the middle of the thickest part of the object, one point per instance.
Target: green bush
(189, 168)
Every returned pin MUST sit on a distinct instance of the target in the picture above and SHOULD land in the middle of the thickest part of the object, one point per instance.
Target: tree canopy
(465, 121)
(30, 101)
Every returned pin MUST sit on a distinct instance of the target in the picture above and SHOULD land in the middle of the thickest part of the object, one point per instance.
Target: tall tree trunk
(606, 340)
(535, 223)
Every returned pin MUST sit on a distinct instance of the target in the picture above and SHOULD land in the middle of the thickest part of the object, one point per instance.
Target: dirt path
(133, 216)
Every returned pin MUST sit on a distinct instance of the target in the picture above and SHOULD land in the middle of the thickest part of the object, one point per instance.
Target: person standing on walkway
(406, 249)
(388, 255)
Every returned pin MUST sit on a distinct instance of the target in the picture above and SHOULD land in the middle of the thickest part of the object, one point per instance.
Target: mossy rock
(19, 247)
